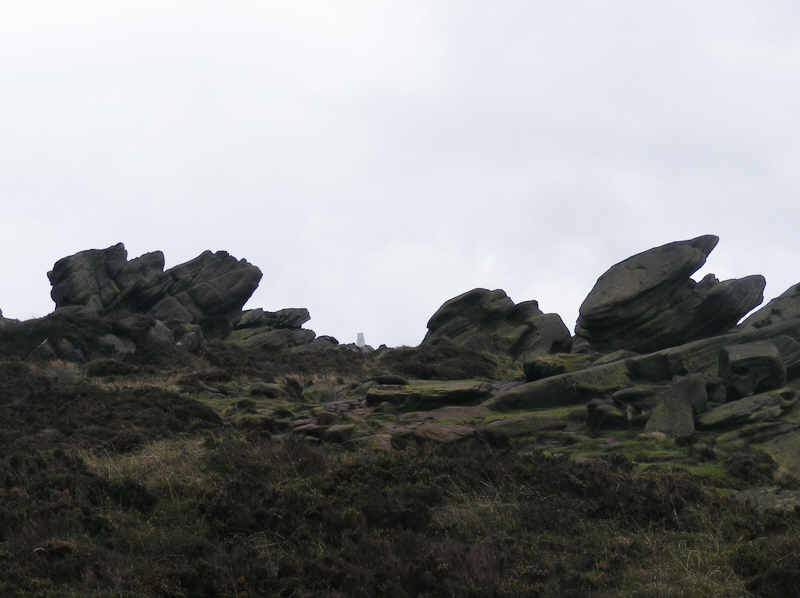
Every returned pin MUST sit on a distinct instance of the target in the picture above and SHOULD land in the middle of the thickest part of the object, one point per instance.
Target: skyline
(375, 159)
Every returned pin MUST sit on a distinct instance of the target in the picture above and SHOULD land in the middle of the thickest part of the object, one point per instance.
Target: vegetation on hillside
(158, 483)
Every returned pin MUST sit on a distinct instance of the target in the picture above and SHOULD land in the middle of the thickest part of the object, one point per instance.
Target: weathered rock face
(209, 290)
(672, 416)
(595, 381)
(648, 301)
(484, 320)
(291, 317)
(212, 286)
(88, 278)
(784, 307)
(768, 406)
(751, 367)
(692, 389)
(272, 339)
(276, 330)
(423, 395)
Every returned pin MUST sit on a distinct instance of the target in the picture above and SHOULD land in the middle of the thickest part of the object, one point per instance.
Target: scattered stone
(648, 301)
(757, 408)
(339, 433)
(673, 416)
(514, 427)
(437, 433)
(429, 394)
(375, 442)
(310, 429)
(266, 389)
(751, 368)
(605, 414)
(771, 498)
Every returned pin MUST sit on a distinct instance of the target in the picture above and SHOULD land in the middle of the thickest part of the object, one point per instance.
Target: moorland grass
(224, 513)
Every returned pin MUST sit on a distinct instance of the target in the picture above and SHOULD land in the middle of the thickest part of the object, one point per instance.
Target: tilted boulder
(209, 290)
(212, 288)
(291, 317)
(784, 307)
(484, 320)
(751, 368)
(649, 301)
(272, 339)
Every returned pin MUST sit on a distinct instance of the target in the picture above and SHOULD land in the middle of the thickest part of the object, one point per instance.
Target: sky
(375, 158)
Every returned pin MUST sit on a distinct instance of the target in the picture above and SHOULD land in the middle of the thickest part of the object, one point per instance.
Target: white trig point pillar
(360, 340)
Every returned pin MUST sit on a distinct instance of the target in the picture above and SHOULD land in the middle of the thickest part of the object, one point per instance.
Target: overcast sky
(377, 158)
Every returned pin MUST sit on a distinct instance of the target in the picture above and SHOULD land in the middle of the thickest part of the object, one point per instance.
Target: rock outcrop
(673, 416)
(648, 301)
(784, 307)
(751, 368)
(291, 317)
(596, 381)
(484, 320)
(209, 290)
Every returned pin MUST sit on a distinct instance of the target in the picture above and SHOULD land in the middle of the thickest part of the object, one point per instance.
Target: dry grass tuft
(159, 463)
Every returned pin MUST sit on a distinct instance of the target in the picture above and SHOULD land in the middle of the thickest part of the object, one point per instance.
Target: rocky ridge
(654, 353)
(151, 421)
